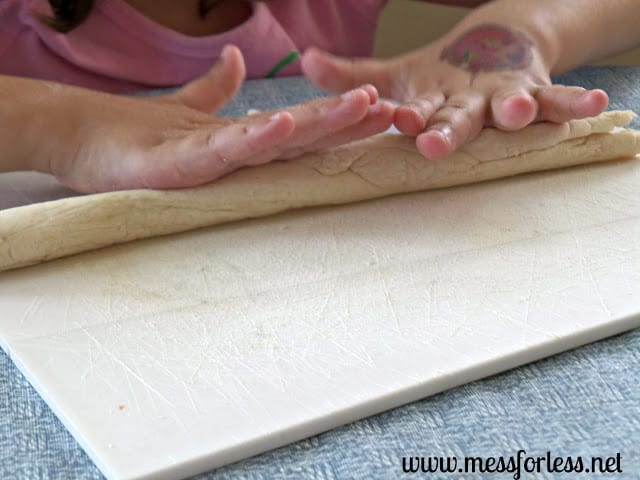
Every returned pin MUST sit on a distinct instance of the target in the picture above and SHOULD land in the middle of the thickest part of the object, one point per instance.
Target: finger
(308, 111)
(377, 120)
(558, 103)
(457, 122)
(207, 156)
(210, 92)
(411, 118)
(321, 118)
(338, 74)
(328, 122)
(372, 91)
(513, 109)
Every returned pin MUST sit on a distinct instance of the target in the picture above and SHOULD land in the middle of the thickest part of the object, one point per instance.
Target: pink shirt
(117, 49)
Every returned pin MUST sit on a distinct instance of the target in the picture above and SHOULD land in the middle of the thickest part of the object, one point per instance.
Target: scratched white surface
(176, 355)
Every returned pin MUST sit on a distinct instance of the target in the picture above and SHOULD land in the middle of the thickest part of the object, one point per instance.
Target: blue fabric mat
(584, 402)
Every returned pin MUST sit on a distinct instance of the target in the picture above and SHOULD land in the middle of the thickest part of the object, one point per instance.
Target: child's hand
(96, 142)
(486, 75)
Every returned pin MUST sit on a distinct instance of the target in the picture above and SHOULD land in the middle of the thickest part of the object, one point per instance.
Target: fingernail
(582, 97)
(224, 53)
(379, 107)
(413, 107)
(376, 108)
(443, 130)
(264, 124)
(580, 103)
(350, 94)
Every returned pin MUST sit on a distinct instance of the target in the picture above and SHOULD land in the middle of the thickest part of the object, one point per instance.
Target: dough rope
(376, 167)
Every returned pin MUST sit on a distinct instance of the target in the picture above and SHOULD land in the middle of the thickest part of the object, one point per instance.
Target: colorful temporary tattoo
(488, 48)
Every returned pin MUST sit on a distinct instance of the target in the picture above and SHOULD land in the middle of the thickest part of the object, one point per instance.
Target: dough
(371, 168)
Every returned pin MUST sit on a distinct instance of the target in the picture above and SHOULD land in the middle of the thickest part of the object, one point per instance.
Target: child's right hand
(94, 142)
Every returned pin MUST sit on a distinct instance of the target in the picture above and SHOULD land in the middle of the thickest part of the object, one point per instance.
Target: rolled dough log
(371, 168)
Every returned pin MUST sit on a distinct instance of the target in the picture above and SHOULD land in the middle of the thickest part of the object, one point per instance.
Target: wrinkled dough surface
(379, 166)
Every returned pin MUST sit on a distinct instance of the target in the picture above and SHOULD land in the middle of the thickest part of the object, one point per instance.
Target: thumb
(210, 92)
(339, 74)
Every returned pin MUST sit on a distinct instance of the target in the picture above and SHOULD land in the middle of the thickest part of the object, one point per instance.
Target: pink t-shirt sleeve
(117, 49)
(9, 25)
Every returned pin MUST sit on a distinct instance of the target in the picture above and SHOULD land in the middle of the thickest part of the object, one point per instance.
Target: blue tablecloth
(584, 402)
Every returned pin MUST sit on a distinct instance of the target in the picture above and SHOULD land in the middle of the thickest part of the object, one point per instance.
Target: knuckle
(465, 116)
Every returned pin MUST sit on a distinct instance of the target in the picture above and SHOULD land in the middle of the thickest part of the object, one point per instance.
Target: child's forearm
(24, 119)
(13, 120)
(568, 33)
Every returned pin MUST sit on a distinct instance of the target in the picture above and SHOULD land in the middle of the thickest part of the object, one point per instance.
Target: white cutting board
(173, 356)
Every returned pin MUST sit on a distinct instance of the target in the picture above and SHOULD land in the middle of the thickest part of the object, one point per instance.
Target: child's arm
(493, 68)
(95, 142)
